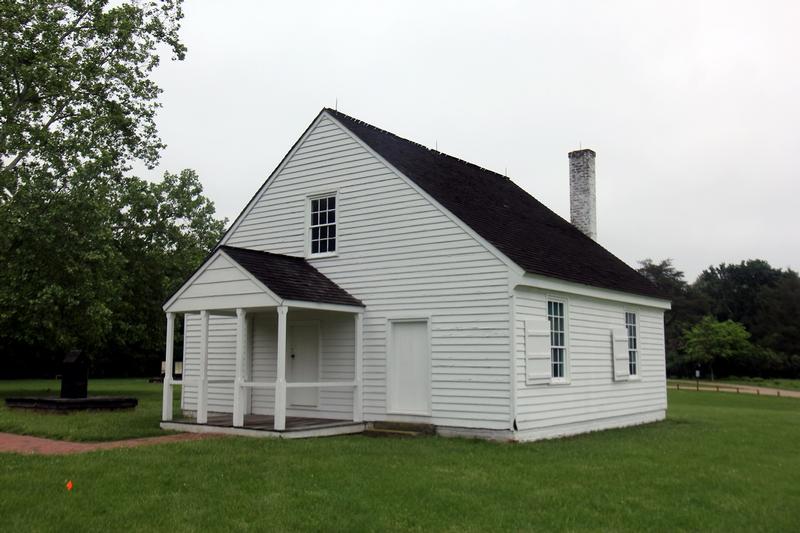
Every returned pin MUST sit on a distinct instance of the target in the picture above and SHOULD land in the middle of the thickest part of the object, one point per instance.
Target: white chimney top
(582, 203)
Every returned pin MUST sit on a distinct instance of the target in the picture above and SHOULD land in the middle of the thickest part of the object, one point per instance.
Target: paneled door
(303, 363)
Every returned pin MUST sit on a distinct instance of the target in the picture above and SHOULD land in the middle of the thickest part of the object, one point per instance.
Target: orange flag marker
(69, 485)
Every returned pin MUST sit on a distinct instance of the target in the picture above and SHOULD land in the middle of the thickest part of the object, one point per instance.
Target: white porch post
(241, 349)
(166, 402)
(358, 395)
(202, 388)
(280, 381)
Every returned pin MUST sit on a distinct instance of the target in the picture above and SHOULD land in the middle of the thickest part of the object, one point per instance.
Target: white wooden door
(409, 368)
(303, 364)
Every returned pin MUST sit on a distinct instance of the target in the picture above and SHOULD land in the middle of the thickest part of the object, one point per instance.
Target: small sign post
(697, 377)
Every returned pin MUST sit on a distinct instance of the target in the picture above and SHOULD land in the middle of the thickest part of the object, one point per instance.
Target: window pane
(331, 245)
(314, 205)
(331, 216)
(332, 202)
(323, 217)
(323, 204)
(323, 246)
(331, 231)
(314, 234)
(314, 247)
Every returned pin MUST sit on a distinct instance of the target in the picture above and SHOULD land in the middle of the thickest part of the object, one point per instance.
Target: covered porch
(271, 348)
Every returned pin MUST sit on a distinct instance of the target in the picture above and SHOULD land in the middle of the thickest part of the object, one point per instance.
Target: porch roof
(291, 278)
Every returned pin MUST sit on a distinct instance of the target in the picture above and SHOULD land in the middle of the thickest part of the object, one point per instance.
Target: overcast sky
(692, 107)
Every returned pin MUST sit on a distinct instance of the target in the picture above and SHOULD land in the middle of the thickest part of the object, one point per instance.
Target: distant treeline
(734, 320)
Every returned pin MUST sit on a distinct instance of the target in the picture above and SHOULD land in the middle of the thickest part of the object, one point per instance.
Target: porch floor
(263, 426)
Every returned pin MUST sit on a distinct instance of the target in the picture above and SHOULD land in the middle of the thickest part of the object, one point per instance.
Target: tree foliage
(88, 251)
(90, 269)
(163, 231)
(76, 100)
(688, 306)
(763, 300)
(711, 341)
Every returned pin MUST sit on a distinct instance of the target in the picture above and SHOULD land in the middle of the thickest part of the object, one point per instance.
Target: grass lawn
(86, 426)
(720, 462)
(787, 384)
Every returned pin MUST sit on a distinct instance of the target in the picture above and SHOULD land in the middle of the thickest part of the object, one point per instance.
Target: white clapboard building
(371, 279)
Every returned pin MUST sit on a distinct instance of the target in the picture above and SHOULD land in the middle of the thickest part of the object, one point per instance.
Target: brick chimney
(582, 210)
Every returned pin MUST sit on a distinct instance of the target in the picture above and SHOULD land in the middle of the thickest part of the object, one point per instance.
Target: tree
(775, 322)
(77, 106)
(91, 267)
(59, 265)
(710, 342)
(76, 101)
(163, 231)
(688, 306)
(733, 290)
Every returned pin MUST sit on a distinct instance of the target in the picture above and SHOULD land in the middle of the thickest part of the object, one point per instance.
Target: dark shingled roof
(292, 278)
(524, 229)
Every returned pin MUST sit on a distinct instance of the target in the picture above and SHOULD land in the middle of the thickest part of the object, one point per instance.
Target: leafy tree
(59, 267)
(688, 306)
(711, 342)
(776, 322)
(733, 290)
(77, 106)
(163, 231)
(76, 100)
(90, 269)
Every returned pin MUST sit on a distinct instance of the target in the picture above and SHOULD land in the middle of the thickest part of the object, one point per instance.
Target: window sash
(322, 227)
(558, 338)
(633, 344)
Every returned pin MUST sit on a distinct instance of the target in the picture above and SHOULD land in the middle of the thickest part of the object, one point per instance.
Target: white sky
(692, 107)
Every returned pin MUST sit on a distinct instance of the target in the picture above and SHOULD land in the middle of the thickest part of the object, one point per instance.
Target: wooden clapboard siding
(221, 361)
(221, 285)
(401, 256)
(591, 393)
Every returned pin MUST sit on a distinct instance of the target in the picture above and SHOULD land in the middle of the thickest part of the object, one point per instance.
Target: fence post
(779, 394)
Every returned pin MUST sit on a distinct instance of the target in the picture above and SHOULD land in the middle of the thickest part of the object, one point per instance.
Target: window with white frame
(558, 348)
(630, 324)
(323, 225)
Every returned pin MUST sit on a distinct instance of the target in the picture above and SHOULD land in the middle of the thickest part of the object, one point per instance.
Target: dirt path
(12, 443)
(730, 387)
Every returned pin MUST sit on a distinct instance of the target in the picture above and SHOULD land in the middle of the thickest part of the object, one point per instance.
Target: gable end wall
(402, 257)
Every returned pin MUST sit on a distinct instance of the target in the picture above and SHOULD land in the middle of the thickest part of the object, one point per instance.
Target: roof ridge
(387, 132)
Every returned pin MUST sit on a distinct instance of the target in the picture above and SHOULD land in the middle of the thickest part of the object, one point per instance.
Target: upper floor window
(323, 225)
(633, 363)
(558, 345)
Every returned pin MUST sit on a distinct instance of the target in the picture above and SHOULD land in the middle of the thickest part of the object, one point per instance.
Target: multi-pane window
(558, 350)
(323, 225)
(630, 324)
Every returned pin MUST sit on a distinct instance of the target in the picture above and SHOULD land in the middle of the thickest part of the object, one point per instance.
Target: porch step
(390, 433)
(399, 429)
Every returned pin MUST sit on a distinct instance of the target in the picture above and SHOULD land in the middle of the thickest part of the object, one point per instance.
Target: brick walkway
(12, 443)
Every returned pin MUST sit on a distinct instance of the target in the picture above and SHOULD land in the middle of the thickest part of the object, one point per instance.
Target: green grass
(88, 425)
(720, 462)
(786, 384)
